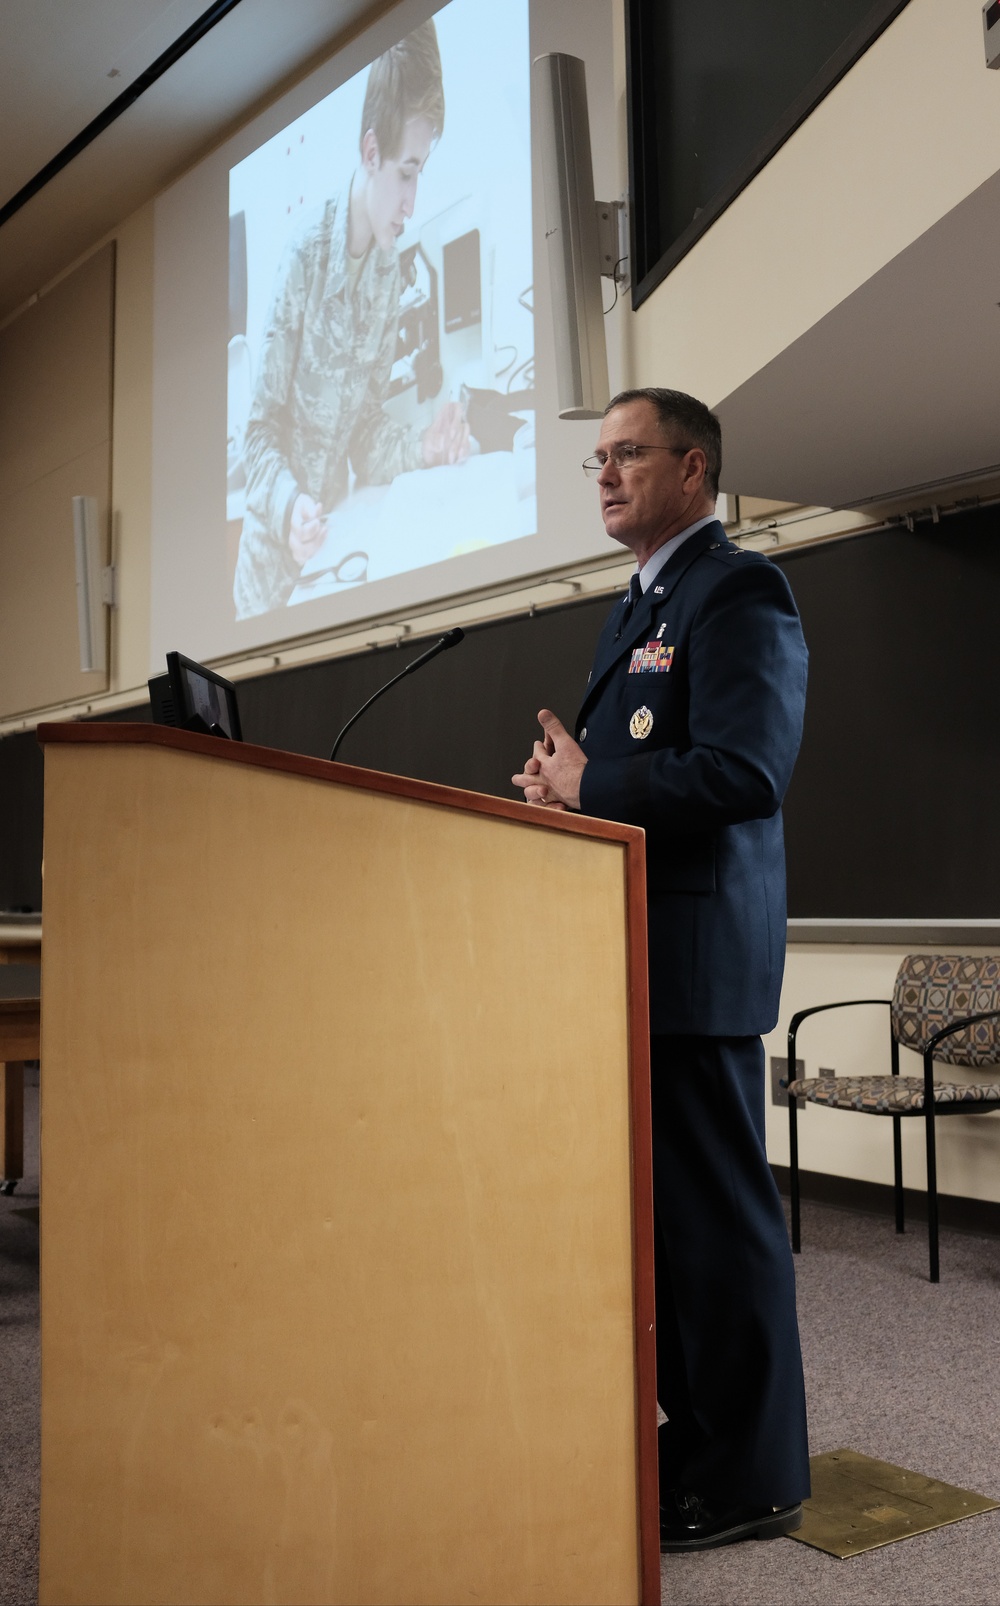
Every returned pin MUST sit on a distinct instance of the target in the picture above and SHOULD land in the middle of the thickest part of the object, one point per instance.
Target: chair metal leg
(932, 1198)
(897, 1137)
(793, 1170)
(897, 1167)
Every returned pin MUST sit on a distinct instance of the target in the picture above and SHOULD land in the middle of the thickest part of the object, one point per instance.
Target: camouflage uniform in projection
(328, 346)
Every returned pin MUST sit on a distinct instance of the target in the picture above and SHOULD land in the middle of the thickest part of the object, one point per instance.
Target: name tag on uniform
(652, 659)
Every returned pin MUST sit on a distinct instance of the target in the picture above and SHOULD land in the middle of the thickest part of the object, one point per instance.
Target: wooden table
(20, 940)
(20, 1007)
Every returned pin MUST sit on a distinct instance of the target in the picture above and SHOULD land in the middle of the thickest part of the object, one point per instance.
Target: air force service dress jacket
(691, 724)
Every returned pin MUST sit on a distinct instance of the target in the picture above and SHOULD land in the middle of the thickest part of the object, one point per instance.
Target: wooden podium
(347, 1283)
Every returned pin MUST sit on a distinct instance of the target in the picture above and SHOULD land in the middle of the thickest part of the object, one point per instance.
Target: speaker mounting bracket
(612, 239)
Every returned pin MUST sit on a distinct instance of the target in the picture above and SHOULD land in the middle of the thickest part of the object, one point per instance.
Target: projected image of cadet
(330, 341)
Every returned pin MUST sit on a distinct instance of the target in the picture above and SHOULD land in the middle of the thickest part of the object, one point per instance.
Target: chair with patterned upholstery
(945, 1007)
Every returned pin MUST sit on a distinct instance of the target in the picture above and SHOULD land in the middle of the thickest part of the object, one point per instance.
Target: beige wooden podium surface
(346, 1232)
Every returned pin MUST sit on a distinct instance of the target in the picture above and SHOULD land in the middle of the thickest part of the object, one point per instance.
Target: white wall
(856, 1042)
(133, 424)
(907, 134)
(910, 131)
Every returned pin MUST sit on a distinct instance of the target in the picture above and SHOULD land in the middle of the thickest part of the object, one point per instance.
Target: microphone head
(451, 638)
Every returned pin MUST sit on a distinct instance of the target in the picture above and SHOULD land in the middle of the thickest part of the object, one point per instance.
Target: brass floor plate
(858, 1504)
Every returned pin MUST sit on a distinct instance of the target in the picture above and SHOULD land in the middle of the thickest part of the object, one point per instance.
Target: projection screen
(354, 396)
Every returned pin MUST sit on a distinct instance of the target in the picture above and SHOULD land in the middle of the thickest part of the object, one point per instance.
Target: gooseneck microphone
(451, 638)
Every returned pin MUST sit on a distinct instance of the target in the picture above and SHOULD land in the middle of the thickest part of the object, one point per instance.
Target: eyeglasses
(625, 456)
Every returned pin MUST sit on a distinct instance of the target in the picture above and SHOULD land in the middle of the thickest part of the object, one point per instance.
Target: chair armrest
(948, 1031)
(957, 1026)
(818, 1009)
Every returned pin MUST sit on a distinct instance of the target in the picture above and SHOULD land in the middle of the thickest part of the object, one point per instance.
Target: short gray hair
(684, 415)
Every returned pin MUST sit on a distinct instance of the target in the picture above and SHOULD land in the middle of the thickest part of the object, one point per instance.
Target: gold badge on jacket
(641, 723)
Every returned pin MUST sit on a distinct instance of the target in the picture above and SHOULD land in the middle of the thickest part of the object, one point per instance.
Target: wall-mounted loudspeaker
(94, 585)
(571, 235)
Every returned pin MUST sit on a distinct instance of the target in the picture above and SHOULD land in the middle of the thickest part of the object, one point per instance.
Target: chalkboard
(20, 823)
(467, 719)
(892, 808)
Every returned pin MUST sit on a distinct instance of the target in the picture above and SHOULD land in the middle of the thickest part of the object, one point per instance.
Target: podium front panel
(337, 1265)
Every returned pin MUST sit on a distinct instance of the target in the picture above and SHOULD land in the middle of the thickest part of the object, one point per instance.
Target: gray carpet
(899, 1369)
(895, 1368)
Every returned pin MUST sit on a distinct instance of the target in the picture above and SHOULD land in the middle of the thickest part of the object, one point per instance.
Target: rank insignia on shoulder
(640, 724)
(652, 659)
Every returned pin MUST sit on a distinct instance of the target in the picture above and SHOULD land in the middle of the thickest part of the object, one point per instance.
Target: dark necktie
(628, 607)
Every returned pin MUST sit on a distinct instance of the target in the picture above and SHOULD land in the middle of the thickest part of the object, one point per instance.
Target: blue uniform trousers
(729, 1368)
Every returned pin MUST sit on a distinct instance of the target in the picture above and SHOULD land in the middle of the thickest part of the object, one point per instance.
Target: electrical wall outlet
(779, 1071)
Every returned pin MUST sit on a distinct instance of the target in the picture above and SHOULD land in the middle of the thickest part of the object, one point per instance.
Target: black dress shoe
(689, 1523)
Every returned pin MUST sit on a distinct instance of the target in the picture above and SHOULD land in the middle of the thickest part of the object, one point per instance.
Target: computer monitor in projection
(347, 421)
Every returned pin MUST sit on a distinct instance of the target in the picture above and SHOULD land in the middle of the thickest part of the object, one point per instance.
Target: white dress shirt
(653, 565)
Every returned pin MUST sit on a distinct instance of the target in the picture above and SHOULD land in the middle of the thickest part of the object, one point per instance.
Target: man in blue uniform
(689, 728)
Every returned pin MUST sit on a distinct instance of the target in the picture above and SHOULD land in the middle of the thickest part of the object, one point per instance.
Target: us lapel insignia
(641, 723)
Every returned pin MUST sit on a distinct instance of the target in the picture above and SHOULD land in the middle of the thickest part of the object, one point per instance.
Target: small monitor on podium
(194, 698)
